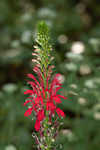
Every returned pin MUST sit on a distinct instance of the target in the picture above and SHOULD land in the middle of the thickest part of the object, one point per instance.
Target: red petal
(62, 96)
(29, 92)
(38, 72)
(58, 88)
(39, 100)
(33, 77)
(33, 86)
(28, 112)
(37, 125)
(29, 97)
(60, 112)
(31, 83)
(50, 106)
(43, 93)
(40, 115)
(28, 101)
(57, 99)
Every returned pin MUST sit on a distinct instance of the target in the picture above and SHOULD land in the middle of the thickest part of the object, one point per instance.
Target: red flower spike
(44, 97)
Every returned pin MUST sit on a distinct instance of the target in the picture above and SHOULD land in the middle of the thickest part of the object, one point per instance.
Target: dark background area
(75, 34)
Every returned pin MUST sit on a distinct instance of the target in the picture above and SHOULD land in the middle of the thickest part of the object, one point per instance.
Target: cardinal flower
(43, 97)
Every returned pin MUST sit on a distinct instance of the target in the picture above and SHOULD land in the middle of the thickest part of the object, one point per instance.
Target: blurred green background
(75, 33)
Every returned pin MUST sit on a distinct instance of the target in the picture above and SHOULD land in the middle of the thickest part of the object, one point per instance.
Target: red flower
(50, 107)
(28, 112)
(37, 125)
(60, 112)
(40, 115)
(43, 98)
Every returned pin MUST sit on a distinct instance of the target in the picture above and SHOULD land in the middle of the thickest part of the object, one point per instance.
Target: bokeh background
(75, 33)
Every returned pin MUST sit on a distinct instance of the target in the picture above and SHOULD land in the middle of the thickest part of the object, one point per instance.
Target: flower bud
(53, 140)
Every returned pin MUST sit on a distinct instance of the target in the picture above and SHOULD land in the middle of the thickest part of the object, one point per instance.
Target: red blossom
(40, 115)
(60, 112)
(56, 99)
(43, 98)
(29, 92)
(28, 101)
(28, 112)
(37, 125)
(50, 106)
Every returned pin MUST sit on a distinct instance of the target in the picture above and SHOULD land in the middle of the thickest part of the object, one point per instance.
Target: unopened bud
(49, 123)
(46, 147)
(34, 54)
(53, 140)
(52, 58)
(42, 146)
(34, 60)
(44, 138)
(52, 128)
(48, 134)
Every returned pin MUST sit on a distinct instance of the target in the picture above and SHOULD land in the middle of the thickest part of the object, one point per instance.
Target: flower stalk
(43, 97)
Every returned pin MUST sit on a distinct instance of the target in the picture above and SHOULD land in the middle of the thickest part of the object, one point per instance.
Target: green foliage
(69, 21)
